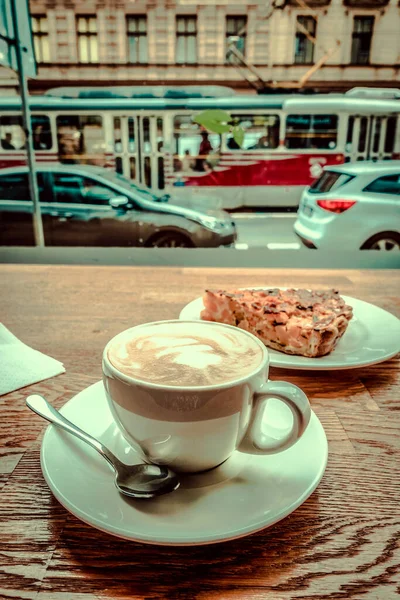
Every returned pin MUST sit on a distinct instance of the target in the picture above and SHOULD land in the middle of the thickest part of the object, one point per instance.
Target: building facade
(326, 45)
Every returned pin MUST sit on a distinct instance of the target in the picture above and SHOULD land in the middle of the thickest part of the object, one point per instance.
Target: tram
(149, 135)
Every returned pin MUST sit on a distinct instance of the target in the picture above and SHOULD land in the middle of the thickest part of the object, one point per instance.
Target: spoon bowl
(137, 481)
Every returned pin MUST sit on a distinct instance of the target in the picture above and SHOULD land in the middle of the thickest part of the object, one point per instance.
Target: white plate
(373, 335)
(245, 494)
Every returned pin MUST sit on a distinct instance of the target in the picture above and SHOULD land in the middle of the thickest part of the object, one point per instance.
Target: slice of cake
(294, 321)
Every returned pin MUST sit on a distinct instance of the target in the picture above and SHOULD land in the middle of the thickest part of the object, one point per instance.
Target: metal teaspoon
(136, 481)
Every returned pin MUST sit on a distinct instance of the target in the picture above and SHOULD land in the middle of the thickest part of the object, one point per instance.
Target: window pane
(311, 132)
(142, 25)
(142, 49)
(261, 132)
(195, 150)
(131, 134)
(80, 139)
(363, 134)
(191, 25)
(35, 25)
(161, 183)
(94, 56)
(118, 165)
(132, 166)
(180, 50)
(385, 185)
(181, 24)
(329, 181)
(147, 171)
(45, 49)
(377, 134)
(92, 25)
(390, 134)
(41, 132)
(38, 49)
(191, 50)
(132, 49)
(82, 25)
(11, 133)
(14, 187)
(83, 49)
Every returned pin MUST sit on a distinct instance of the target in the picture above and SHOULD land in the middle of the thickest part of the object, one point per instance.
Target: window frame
(185, 35)
(88, 35)
(358, 35)
(137, 35)
(38, 36)
(229, 35)
(301, 36)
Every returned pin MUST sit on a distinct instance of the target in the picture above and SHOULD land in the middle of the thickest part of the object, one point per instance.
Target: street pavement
(272, 230)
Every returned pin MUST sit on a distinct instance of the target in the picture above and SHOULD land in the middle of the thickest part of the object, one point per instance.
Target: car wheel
(169, 240)
(386, 241)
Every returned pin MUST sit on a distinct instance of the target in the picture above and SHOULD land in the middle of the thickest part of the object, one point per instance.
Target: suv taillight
(336, 206)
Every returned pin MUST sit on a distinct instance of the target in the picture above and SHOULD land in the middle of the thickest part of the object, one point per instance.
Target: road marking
(283, 246)
(251, 216)
(240, 246)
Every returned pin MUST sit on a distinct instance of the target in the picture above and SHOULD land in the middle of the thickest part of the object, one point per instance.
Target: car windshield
(124, 182)
(329, 181)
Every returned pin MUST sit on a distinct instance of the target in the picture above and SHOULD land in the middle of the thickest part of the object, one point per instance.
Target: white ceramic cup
(193, 429)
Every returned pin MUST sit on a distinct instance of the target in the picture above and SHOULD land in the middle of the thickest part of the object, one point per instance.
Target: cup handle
(261, 438)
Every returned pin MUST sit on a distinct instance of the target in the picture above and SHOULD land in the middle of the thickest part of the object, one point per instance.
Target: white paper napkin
(21, 365)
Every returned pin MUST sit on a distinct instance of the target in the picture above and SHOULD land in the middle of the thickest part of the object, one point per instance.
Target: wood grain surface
(342, 543)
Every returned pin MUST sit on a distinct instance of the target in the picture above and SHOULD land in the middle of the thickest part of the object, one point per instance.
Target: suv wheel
(386, 241)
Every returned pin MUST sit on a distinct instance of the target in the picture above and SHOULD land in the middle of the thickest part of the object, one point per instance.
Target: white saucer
(373, 335)
(245, 494)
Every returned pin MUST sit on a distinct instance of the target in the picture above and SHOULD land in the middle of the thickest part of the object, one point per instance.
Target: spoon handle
(41, 407)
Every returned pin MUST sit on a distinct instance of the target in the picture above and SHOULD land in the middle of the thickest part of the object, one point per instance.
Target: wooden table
(342, 543)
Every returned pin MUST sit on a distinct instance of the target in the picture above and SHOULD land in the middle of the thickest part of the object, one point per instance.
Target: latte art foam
(185, 354)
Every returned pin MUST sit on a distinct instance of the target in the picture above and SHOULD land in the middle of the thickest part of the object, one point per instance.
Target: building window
(88, 51)
(40, 31)
(136, 31)
(361, 42)
(235, 31)
(186, 40)
(304, 44)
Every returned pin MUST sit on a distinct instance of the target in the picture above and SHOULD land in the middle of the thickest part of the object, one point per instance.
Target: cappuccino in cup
(185, 354)
(190, 393)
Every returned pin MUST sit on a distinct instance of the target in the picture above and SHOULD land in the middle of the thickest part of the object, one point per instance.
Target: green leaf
(238, 135)
(214, 120)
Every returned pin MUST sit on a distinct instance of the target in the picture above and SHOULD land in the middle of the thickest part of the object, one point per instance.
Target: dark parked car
(92, 206)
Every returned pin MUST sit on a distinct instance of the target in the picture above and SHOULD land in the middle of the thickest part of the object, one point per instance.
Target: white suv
(352, 206)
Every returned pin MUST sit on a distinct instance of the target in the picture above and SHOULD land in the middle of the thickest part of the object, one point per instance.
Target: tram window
(160, 135)
(195, 149)
(131, 134)
(390, 134)
(309, 132)
(132, 167)
(80, 139)
(118, 165)
(41, 132)
(349, 137)
(362, 140)
(377, 134)
(147, 171)
(117, 135)
(146, 134)
(12, 133)
(261, 132)
(161, 183)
